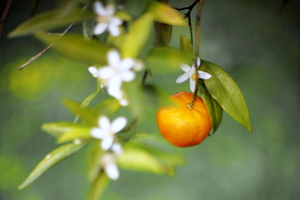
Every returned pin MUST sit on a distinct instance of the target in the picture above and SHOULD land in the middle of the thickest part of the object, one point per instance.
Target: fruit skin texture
(181, 126)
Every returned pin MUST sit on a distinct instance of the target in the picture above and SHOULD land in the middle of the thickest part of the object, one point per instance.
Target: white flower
(190, 74)
(106, 19)
(107, 130)
(110, 167)
(95, 73)
(117, 72)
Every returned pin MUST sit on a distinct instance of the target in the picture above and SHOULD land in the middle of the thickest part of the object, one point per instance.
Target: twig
(188, 15)
(49, 46)
(198, 17)
(44, 50)
(3, 17)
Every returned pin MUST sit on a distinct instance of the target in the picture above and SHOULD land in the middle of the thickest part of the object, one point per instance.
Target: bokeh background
(257, 42)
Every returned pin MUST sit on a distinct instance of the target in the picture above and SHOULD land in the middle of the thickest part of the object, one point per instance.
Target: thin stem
(3, 17)
(49, 46)
(198, 18)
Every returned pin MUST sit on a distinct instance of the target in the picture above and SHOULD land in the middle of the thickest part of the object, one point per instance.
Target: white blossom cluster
(106, 132)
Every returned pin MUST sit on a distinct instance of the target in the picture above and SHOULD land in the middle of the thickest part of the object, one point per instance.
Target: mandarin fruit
(181, 126)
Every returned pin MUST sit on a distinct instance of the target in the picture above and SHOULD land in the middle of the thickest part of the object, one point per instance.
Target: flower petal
(117, 148)
(107, 142)
(116, 21)
(114, 30)
(118, 124)
(126, 64)
(98, 133)
(204, 75)
(110, 10)
(127, 76)
(94, 71)
(106, 73)
(113, 58)
(185, 68)
(198, 62)
(100, 28)
(99, 8)
(182, 78)
(123, 102)
(104, 123)
(117, 93)
(112, 171)
(192, 85)
(114, 83)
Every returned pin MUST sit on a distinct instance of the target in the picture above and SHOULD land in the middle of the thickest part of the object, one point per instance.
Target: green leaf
(133, 91)
(164, 32)
(164, 60)
(137, 36)
(123, 15)
(166, 14)
(79, 133)
(186, 48)
(87, 115)
(51, 20)
(95, 164)
(50, 160)
(98, 187)
(227, 93)
(58, 128)
(87, 101)
(76, 47)
(214, 109)
(156, 97)
(107, 107)
(140, 160)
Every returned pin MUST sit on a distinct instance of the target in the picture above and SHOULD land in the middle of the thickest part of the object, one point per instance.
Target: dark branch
(4, 16)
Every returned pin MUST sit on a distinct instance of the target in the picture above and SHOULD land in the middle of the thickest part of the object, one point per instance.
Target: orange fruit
(181, 126)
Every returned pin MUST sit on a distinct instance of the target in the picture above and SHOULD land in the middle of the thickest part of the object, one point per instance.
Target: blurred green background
(256, 42)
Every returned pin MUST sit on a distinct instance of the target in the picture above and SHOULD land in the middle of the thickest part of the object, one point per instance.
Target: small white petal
(116, 21)
(104, 123)
(112, 171)
(110, 10)
(185, 68)
(114, 30)
(106, 73)
(99, 8)
(204, 75)
(114, 83)
(127, 76)
(123, 102)
(118, 124)
(113, 58)
(192, 85)
(198, 62)
(126, 64)
(98, 133)
(100, 28)
(117, 148)
(182, 78)
(117, 93)
(107, 142)
(94, 71)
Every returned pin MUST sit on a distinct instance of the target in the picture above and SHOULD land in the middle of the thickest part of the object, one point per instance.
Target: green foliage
(50, 160)
(74, 46)
(214, 109)
(227, 93)
(139, 152)
(51, 20)
(163, 33)
(162, 60)
(135, 39)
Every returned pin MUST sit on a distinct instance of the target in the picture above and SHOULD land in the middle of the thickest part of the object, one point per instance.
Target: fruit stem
(198, 17)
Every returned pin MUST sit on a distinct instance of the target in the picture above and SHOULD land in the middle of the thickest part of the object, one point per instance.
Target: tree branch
(3, 17)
